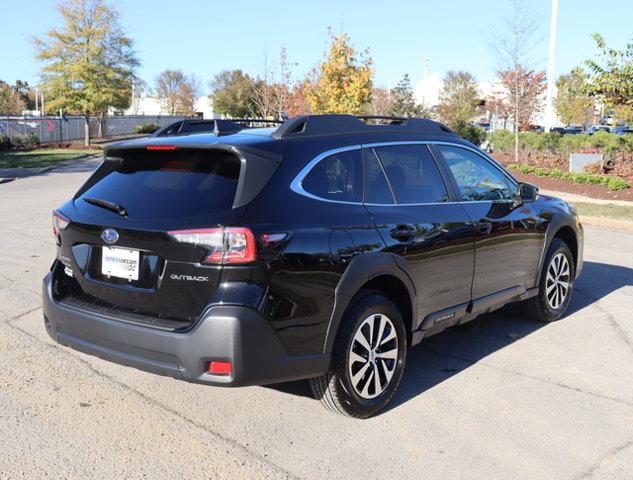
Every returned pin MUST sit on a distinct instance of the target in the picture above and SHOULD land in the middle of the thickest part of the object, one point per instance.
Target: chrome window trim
(297, 183)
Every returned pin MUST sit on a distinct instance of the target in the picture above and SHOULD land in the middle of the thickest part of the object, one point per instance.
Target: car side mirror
(528, 192)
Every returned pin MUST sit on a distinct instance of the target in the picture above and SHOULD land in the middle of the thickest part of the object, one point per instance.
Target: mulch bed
(558, 185)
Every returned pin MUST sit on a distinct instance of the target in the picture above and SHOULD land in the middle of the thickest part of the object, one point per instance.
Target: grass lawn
(609, 210)
(40, 157)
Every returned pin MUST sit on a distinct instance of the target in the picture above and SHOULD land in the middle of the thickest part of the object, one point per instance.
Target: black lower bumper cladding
(226, 333)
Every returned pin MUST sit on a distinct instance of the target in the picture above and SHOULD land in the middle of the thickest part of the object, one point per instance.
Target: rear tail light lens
(220, 368)
(228, 245)
(59, 223)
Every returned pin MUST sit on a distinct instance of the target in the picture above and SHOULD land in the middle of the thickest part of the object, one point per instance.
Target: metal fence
(56, 129)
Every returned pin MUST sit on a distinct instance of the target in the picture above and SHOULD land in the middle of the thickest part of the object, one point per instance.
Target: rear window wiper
(113, 207)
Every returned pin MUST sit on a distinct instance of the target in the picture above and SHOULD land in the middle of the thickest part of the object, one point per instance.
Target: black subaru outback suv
(321, 249)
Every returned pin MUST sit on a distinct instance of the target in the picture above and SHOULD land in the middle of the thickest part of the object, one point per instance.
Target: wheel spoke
(356, 358)
(377, 384)
(360, 338)
(550, 287)
(381, 329)
(388, 373)
(389, 337)
(357, 377)
(390, 354)
(371, 330)
(565, 270)
(365, 391)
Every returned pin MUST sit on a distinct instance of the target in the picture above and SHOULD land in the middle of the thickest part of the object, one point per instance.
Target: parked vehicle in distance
(566, 130)
(322, 249)
(622, 129)
(598, 128)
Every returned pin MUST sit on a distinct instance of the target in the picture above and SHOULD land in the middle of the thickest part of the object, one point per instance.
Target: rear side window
(337, 177)
(151, 185)
(413, 176)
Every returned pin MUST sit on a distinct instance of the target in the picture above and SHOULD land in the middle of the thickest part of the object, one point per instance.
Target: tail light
(226, 245)
(59, 223)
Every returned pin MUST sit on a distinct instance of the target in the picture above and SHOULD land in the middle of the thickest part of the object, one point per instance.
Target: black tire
(335, 389)
(540, 307)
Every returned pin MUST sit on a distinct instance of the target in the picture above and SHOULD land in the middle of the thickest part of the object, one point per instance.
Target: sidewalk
(603, 222)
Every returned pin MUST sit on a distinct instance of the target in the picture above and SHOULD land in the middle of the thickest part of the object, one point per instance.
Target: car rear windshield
(169, 184)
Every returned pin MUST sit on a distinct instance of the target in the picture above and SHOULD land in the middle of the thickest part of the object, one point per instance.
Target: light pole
(550, 114)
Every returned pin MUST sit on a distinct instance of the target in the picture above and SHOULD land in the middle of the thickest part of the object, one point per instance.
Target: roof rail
(312, 125)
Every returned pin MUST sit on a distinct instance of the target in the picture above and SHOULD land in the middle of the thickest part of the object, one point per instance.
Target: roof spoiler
(311, 125)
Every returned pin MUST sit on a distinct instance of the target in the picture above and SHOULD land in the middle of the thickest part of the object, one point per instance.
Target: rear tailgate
(124, 257)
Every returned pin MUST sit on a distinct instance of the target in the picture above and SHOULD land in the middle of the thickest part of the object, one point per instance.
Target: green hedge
(553, 142)
(22, 142)
(612, 183)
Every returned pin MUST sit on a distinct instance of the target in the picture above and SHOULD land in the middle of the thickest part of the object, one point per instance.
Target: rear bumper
(226, 333)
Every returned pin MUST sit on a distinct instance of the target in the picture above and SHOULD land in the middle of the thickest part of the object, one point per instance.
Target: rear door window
(413, 177)
(337, 177)
(153, 185)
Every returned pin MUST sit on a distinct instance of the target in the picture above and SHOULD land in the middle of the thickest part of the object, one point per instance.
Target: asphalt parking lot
(501, 398)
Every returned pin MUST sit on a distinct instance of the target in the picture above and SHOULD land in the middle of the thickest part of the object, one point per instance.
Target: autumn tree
(177, 92)
(522, 85)
(458, 99)
(89, 62)
(271, 92)
(403, 101)
(573, 104)
(11, 102)
(523, 90)
(612, 77)
(297, 103)
(381, 102)
(232, 93)
(343, 82)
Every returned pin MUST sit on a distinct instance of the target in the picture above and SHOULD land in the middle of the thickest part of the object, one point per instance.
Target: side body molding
(360, 270)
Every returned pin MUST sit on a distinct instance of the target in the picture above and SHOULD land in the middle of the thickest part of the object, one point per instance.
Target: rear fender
(360, 270)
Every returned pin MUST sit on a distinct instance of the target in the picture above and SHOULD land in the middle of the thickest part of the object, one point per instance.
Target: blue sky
(203, 37)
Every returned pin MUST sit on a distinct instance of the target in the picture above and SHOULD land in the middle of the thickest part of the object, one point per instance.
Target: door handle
(403, 232)
(484, 226)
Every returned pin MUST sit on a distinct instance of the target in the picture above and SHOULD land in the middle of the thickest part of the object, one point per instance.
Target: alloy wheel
(373, 356)
(557, 281)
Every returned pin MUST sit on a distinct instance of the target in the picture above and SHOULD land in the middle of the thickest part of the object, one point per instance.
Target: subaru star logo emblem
(110, 236)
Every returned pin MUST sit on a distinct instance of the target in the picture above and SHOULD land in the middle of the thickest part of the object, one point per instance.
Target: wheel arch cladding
(375, 271)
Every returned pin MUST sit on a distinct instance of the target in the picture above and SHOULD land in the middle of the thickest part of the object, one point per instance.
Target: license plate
(120, 262)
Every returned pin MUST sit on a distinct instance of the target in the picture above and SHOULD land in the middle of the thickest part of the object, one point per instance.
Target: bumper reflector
(220, 368)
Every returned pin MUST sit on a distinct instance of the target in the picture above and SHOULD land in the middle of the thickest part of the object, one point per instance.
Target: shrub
(4, 143)
(27, 141)
(146, 128)
(502, 140)
(474, 134)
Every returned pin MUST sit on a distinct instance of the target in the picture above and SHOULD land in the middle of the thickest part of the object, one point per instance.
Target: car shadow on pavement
(438, 358)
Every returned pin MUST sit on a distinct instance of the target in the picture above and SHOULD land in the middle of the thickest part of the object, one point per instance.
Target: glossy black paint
(457, 252)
